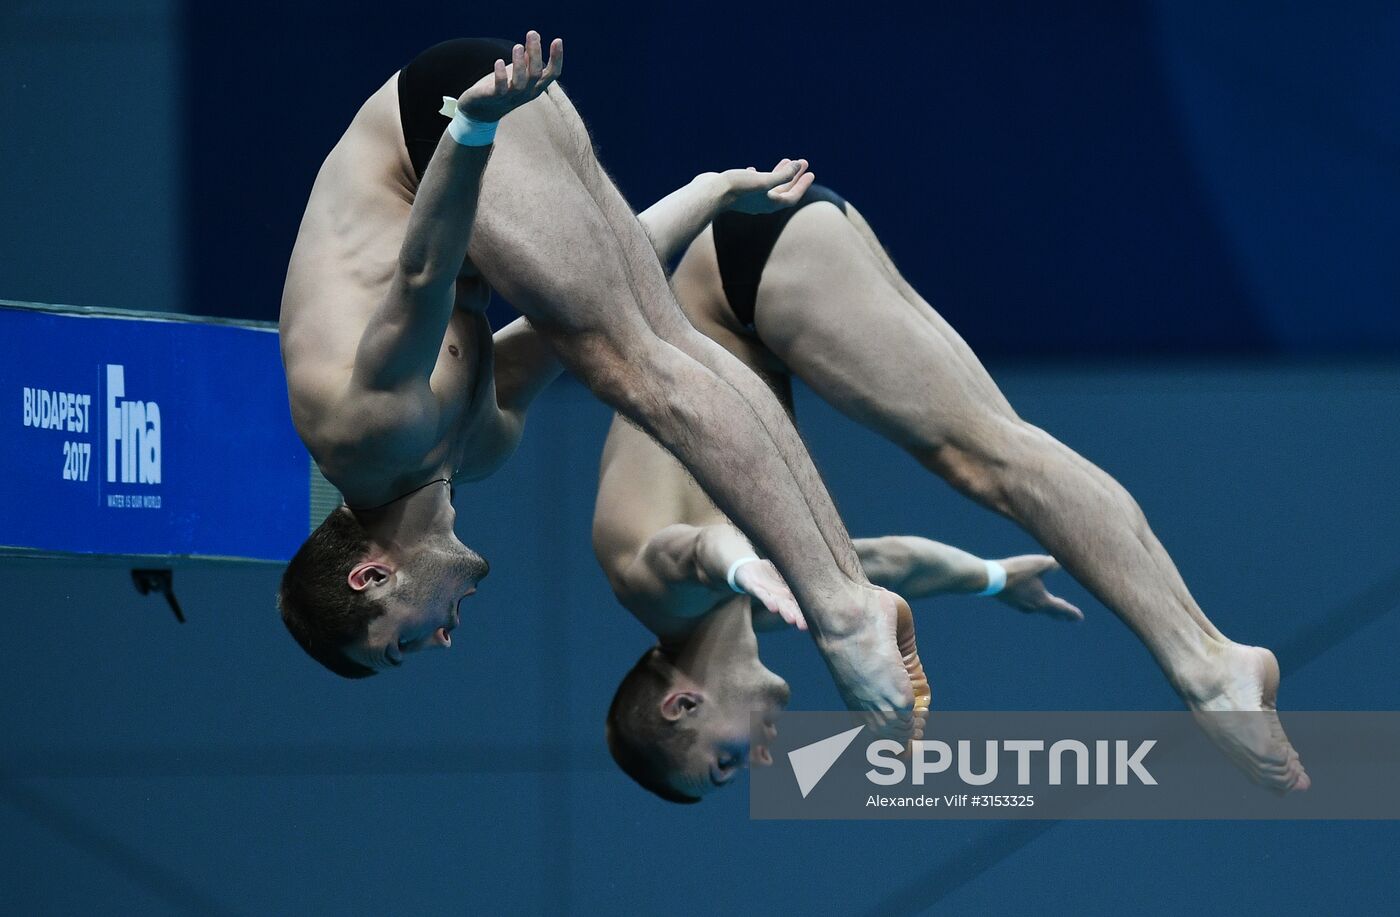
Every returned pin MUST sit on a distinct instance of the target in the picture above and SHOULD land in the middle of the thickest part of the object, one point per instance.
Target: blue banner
(146, 435)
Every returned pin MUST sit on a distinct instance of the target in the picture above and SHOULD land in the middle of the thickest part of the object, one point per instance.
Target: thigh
(836, 315)
(645, 273)
(971, 363)
(540, 239)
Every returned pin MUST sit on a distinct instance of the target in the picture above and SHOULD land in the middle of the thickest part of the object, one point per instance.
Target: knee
(673, 327)
(983, 460)
(970, 472)
(632, 376)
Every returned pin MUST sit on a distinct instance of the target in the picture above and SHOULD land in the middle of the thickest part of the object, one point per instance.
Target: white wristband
(463, 129)
(734, 568)
(996, 578)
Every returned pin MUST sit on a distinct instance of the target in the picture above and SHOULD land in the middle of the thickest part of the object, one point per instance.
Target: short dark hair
(641, 740)
(317, 604)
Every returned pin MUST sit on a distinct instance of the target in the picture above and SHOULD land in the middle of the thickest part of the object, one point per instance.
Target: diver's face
(726, 742)
(422, 602)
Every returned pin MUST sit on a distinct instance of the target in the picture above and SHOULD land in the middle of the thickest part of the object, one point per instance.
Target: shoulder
(352, 426)
(490, 444)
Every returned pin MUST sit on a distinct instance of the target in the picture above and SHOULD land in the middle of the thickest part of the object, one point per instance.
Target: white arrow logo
(811, 762)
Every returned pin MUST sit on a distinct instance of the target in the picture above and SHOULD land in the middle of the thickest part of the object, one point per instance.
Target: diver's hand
(762, 580)
(510, 86)
(751, 191)
(718, 548)
(1025, 590)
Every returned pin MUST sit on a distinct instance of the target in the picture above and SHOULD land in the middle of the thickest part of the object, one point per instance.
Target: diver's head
(681, 739)
(358, 608)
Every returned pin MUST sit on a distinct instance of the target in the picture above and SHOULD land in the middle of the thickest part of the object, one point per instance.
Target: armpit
(473, 292)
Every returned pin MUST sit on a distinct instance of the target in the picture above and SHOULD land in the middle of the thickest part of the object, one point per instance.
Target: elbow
(694, 553)
(421, 275)
(887, 561)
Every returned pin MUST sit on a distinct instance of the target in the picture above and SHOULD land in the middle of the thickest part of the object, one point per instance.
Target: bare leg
(543, 242)
(666, 319)
(971, 370)
(835, 310)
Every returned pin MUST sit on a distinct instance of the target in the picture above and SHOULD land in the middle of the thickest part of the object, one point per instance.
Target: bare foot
(909, 651)
(1235, 706)
(868, 663)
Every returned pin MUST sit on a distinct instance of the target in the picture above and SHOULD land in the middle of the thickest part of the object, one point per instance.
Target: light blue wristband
(734, 569)
(464, 130)
(996, 578)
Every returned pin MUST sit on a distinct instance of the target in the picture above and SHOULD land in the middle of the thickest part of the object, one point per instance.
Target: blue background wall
(1124, 181)
(1106, 178)
(1133, 178)
(157, 768)
(91, 157)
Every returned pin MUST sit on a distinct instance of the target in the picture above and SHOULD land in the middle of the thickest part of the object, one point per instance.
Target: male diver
(810, 291)
(395, 390)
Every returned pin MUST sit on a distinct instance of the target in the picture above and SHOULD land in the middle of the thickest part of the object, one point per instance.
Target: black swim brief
(445, 69)
(743, 242)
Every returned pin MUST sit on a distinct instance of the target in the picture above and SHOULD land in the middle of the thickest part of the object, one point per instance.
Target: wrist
(732, 573)
(716, 189)
(471, 132)
(993, 579)
(465, 129)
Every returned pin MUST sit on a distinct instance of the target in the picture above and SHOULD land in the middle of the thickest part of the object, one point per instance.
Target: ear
(680, 704)
(366, 574)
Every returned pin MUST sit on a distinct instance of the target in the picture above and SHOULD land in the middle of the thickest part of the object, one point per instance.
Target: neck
(723, 641)
(423, 513)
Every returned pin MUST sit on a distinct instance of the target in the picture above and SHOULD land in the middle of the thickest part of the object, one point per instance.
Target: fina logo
(136, 426)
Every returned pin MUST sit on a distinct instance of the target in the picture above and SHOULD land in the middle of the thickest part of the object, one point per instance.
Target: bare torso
(374, 446)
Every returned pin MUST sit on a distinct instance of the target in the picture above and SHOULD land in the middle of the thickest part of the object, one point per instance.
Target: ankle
(848, 614)
(1205, 674)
